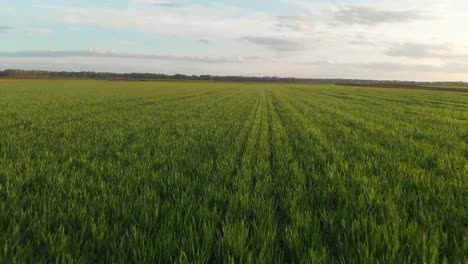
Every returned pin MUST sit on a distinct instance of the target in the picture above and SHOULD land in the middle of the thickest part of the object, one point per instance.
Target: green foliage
(99, 171)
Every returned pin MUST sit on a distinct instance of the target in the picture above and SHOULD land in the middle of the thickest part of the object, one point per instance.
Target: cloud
(42, 31)
(110, 54)
(166, 4)
(159, 3)
(193, 22)
(412, 50)
(278, 44)
(395, 67)
(294, 23)
(417, 50)
(390, 67)
(362, 43)
(370, 16)
(208, 36)
(4, 29)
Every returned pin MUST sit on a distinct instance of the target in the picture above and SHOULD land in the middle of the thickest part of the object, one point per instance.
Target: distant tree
(16, 73)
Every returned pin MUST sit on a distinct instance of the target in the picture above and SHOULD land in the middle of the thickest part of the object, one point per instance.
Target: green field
(100, 171)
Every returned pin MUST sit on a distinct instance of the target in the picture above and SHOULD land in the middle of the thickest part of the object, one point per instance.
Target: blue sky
(383, 39)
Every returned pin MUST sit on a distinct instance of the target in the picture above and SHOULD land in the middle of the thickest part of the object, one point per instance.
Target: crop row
(95, 171)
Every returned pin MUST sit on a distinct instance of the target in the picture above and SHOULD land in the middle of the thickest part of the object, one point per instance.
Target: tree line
(15, 73)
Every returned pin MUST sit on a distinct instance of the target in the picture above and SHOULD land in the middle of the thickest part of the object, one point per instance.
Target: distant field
(99, 171)
(449, 86)
(405, 86)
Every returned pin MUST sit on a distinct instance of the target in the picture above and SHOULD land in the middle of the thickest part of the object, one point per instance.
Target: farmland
(94, 171)
(448, 86)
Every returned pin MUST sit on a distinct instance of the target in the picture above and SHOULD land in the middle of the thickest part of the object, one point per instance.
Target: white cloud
(197, 22)
(417, 50)
(41, 32)
(160, 3)
(371, 16)
(279, 44)
(96, 53)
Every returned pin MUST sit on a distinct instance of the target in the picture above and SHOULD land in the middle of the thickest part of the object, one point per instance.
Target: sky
(417, 40)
